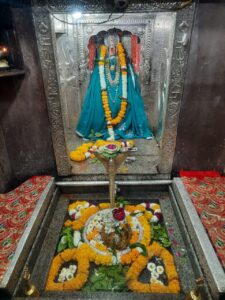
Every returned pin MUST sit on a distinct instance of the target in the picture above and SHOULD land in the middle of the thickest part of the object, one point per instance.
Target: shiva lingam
(112, 156)
(115, 233)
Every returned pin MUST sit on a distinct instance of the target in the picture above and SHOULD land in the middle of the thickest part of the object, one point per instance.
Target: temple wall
(5, 167)
(23, 112)
(201, 129)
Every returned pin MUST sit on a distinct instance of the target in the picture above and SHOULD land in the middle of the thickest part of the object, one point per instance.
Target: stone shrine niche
(155, 33)
(64, 40)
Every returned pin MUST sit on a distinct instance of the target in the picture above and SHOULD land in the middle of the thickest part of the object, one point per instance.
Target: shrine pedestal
(186, 261)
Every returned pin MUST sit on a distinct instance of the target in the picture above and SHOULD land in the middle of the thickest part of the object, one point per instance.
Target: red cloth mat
(199, 174)
(207, 192)
(16, 208)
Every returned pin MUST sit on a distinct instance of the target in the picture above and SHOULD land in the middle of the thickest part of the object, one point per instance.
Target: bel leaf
(61, 247)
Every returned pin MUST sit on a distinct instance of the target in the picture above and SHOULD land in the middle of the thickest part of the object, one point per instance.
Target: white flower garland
(103, 87)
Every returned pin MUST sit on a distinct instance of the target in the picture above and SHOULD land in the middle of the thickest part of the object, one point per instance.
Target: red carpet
(207, 192)
(16, 208)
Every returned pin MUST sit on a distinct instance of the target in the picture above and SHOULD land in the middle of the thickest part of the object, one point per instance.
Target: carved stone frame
(42, 21)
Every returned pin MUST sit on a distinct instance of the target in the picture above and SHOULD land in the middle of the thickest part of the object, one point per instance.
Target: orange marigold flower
(80, 277)
(141, 262)
(174, 286)
(104, 205)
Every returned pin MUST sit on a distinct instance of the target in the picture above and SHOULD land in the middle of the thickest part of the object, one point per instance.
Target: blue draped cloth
(92, 118)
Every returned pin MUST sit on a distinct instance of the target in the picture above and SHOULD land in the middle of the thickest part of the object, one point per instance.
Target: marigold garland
(141, 209)
(86, 253)
(81, 153)
(86, 150)
(92, 234)
(141, 262)
(134, 237)
(104, 205)
(95, 257)
(78, 224)
(129, 257)
(146, 231)
(81, 275)
(74, 205)
(108, 115)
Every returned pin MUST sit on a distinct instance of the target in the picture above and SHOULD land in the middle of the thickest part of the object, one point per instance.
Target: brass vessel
(30, 289)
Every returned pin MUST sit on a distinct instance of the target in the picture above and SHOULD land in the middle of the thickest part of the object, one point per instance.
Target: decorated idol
(113, 107)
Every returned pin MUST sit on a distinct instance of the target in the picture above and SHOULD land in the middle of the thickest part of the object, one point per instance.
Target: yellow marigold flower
(171, 273)
(104, 205)
(67, 254)
(174, 286)
(101, 247)
(140, 207)
(68, 223)
(155, 248)
(76, 156)
(77, 225)
(148, 215)
(92, 234)
(141, 262)
(81, 275)
(156, 206)
(134, 237)
(146, 230)
(121, 115)
(130, 208)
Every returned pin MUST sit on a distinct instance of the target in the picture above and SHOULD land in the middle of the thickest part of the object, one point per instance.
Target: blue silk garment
(92, 118)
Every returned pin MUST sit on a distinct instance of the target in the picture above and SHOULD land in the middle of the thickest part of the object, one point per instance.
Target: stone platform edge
(12, 274)
(206, 254)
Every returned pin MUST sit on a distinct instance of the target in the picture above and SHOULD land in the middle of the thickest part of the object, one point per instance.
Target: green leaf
(107, 278)
(67, 230)
(160, 235)
(87, 289)
(121, 200)
(117, 230)
(61, 247)
(92, 134)
(70, 243)
(144, 250)
(63, 239)
(98, 134)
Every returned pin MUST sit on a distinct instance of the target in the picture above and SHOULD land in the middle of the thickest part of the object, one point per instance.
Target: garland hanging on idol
(101, 64)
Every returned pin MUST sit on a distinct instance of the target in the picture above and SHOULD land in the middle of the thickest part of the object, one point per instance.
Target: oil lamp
(4, 52)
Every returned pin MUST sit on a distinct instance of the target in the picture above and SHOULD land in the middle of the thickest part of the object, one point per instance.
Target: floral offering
(107, 148)
(121, 243)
